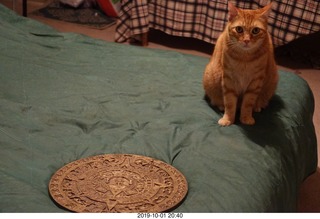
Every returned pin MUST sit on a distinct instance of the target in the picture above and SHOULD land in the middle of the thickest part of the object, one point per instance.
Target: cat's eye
(239, 29)
(255, 30)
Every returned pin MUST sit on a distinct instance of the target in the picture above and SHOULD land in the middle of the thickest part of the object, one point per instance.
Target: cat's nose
(246, 42)
(246, 39)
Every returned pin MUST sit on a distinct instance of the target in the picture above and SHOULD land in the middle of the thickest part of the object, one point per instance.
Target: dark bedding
(66, 96)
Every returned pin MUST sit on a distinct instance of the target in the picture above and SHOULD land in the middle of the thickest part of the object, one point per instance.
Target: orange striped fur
(242, 72)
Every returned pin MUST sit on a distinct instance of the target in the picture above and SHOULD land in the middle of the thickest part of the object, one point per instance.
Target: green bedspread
(66, 96)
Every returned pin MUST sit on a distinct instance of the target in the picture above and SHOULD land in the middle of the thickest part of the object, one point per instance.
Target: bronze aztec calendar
(118, 183)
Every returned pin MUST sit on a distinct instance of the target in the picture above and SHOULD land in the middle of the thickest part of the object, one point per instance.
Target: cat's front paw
(247, 120)
(225, 122)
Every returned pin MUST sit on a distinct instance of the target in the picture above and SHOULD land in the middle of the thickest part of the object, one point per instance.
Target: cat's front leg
(247, 108)
(247, 119)
(249, 100)
(230, 107)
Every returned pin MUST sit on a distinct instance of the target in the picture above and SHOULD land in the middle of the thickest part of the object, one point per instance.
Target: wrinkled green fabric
(66, 96)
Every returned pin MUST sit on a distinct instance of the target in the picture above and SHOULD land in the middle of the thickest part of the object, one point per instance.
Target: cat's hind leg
(262, 102)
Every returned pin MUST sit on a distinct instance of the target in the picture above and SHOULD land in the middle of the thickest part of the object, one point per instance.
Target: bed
(65, 96)
(205, 20)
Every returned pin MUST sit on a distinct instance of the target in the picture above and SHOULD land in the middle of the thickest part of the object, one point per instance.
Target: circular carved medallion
(118, 183)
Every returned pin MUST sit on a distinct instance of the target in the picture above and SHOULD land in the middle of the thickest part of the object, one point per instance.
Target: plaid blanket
(206, 19)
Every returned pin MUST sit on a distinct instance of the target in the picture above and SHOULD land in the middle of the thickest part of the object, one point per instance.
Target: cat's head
(248, 28)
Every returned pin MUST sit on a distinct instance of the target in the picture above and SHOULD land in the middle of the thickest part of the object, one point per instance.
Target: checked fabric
(206, 19)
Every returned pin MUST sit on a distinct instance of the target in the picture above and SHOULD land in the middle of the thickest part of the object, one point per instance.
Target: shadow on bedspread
(66, 96)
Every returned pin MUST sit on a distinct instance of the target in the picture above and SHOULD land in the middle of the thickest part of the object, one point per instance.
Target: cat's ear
(233, 11)
(265, 11)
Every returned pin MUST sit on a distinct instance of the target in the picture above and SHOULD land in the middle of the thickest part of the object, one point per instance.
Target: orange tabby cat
(242, 72)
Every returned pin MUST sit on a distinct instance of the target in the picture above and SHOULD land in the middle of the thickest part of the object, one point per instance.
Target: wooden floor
(309, 195)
